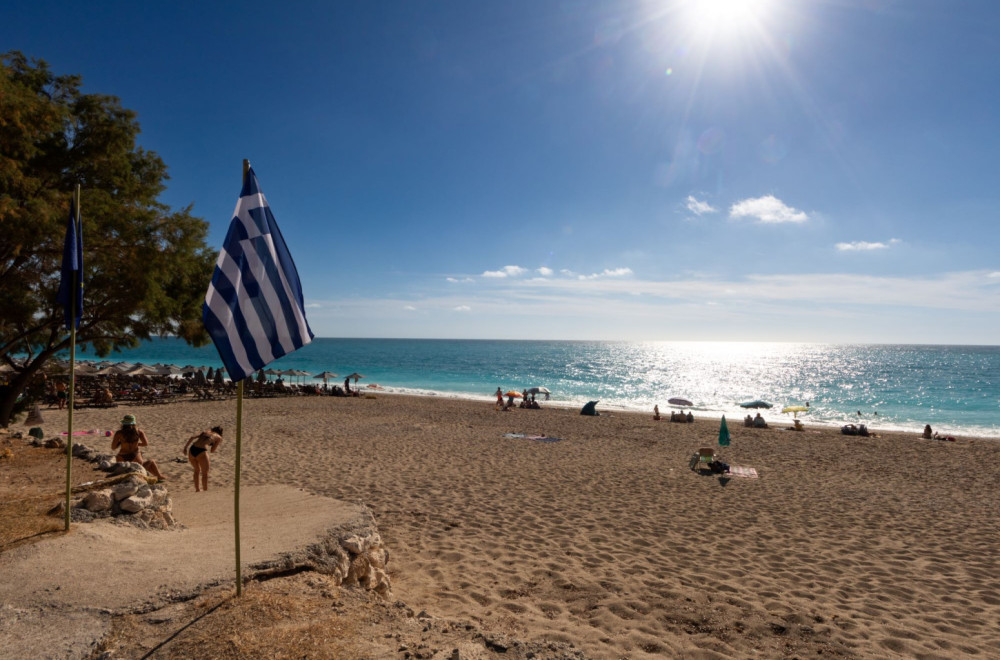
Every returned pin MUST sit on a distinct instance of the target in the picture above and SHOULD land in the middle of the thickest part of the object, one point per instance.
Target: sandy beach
(606, 540)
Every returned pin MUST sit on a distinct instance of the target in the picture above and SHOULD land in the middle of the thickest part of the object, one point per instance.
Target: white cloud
(767, 209)
(463, 308)
(409, 308)
(995, 273)
(862, 246)
(506, 271)
(698, 207)
(459, 281)
(544, 271)
(313, 306)
(608, 272)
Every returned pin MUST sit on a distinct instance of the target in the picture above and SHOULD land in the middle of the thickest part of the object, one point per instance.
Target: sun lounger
(704, 455)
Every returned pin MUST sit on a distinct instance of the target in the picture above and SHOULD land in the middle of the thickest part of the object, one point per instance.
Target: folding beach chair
(704, 455)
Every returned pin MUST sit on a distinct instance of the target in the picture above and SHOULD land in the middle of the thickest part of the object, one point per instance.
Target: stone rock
(126, 467)
(105, 465)
(128, 487)
(17, 435)
(134, 503)
(144, 491)
(98, 500)
(55, 443)
(80, 450)
(353, 544)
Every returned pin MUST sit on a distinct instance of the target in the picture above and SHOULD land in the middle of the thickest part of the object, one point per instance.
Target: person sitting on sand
(759, 422)
(656, 413)
(928, 433)
(690, 418)
(200, 445)
(748, 421)
(127, 441)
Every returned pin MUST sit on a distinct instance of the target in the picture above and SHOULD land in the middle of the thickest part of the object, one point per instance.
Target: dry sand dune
(857, 547)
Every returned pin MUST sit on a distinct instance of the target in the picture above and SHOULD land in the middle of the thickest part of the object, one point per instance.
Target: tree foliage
(146, 266)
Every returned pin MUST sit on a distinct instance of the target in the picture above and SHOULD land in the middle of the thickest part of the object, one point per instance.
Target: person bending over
(197, 449)
(128, 439)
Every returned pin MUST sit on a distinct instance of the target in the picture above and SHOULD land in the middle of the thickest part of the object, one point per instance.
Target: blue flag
(71, 281)
(254, 309)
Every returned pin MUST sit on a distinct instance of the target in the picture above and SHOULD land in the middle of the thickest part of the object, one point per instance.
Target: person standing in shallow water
(200, 445)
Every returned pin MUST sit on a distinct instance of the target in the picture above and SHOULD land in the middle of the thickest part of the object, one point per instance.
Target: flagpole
(239, 447)
(72, 368)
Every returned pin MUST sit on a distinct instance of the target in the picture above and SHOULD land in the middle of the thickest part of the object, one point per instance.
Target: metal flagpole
(72, 364)
(239, 446)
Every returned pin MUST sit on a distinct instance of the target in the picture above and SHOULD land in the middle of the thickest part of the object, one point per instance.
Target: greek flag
(253, 309)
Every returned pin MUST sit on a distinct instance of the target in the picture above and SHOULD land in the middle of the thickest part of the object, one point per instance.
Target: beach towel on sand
(539, 438)
(742, 471)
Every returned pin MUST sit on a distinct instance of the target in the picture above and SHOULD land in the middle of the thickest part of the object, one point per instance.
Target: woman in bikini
(200, 445)
(127, 441)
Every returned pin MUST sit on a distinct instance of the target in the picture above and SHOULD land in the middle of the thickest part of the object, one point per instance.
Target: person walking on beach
(200, 445)
(499, 398)
(127, 440)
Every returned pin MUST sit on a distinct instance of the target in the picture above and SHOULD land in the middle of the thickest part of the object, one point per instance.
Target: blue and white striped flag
(253, 309)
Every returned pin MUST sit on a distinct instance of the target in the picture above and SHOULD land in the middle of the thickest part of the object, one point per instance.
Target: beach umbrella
(355, 376)
(755, 404)
(211, 373)
(678, 401)
(795, 410)
(326, 375)
(723, 433)
(167, 370)
(513, 394)
(142, 370)
(219, 380)
(261, 378)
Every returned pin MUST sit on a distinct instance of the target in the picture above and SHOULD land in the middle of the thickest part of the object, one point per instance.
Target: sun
(725, 17)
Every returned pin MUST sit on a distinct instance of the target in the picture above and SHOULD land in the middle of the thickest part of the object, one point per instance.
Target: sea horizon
(892, 386)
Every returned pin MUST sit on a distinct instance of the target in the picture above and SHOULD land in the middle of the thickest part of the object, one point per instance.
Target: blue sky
(784, 170)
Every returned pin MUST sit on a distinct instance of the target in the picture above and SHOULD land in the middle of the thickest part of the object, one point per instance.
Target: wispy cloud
(456, 280)
(608, 272)
(767, 209)
(506, 271)
(796, 306)
(409, 308)
(313, 306)
(699, 207)
(545, 271)
(865, 246)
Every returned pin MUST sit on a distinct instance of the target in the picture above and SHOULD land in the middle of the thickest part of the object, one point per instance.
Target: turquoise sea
(956, 389)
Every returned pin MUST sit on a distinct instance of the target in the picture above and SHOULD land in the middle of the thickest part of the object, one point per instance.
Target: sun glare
(725, 16)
